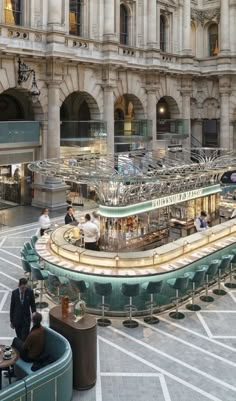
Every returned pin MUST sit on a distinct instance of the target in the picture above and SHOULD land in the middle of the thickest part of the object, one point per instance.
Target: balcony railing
(167, 129)
(19, 132)
(129, 131)
(78, 133)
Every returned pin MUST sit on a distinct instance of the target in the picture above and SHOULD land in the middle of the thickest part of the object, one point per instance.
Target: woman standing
(44, 221)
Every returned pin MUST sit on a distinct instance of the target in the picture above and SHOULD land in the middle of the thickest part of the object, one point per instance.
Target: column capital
(225, 86)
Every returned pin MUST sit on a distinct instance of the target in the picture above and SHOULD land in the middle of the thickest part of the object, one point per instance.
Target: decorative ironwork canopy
(126, 178)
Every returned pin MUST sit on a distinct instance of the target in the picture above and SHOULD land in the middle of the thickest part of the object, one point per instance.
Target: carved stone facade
(94, 70)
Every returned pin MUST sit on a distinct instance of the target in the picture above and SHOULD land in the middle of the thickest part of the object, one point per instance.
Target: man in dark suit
(69, 217)
(22, 305)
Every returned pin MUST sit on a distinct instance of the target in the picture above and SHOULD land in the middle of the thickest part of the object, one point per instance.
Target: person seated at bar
(33, 346)
(201, 222)
(69, 217)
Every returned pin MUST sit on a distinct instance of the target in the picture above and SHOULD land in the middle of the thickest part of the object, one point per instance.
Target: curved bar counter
(165, 262)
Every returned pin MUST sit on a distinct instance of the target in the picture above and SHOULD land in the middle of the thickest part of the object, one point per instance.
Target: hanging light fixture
(24, 72)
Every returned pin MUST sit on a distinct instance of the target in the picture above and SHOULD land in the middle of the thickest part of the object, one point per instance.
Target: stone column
(186, 114)
(53, 137)
(109, 19)
(186, 26)
(224, 26)
(152, 114)
(109, 116)
(152, 23)
(225, 134)
(54, 13)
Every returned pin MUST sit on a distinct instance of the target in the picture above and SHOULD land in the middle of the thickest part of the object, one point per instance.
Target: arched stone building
(114, 75)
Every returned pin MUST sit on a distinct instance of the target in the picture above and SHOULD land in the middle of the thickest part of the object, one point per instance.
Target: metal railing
(170, 128)
(133, 130)
(76, 132)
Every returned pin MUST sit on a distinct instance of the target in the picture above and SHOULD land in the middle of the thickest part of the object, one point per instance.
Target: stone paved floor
(189, 360)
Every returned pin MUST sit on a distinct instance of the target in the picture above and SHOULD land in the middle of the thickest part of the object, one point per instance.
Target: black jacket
(20, 314)
(69, 218)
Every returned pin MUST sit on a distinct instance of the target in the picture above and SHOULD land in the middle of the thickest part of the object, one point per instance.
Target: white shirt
(197, 224)
(90, 230)
(97, 223)
(44, 221)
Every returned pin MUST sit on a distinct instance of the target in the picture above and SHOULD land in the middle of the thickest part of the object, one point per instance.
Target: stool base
(219, 292)
(230, 285)
(41, 305)
(130, 324)
(177, 315)
(207, 298)
(151, 320)
(103, 322)
(193, 307)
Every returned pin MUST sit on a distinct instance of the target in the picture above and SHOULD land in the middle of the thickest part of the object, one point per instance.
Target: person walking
(44, 221)
(69, 217)
(21, 307)
(34, 344)
(91, 233)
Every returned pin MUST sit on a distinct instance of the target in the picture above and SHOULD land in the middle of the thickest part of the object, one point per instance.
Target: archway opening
(167, 112)
(132, 130)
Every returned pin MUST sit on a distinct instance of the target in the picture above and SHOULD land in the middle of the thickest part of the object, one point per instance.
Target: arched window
(13, 12)
(75, 17)
(124, 25)
(162, 33)
(213, 40)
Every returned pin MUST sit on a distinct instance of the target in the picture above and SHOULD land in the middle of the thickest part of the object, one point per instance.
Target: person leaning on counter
(91, 233)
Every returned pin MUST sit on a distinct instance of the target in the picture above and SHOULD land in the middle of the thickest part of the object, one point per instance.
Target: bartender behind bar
(201, 222)
(91, 233)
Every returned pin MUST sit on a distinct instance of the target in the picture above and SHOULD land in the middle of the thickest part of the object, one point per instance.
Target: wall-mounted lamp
(155, 256)
(117, 260)
(24, 72)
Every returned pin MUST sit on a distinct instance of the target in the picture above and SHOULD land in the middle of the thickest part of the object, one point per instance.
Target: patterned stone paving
(193, 359)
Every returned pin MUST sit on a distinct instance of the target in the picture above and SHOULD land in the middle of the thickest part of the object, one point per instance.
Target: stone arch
(85, 83)
(131, 87)
(75, 101)
(210, 109)
(172, 104)
(22, 99)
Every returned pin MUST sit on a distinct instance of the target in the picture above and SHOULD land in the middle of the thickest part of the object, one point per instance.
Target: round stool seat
(223, 266)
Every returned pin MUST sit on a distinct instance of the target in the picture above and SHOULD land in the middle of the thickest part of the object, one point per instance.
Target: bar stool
(130, 290)
(233, 262)
(41, 276)
(27, 269)
(179, 284)
(196, 277)
(211, 271)
(29, 249)
(78, 286)
(104, 290)
(29, 258)
(223, 266)
(153, 287)
(33, 240)
(57, 282)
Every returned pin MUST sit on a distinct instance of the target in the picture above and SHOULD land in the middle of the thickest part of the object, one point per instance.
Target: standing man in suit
(22, 305)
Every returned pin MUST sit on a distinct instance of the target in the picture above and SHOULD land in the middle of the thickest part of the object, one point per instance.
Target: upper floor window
(124, 25)
(75, 17)
(13, 12)
(162, 33)
(213, 40)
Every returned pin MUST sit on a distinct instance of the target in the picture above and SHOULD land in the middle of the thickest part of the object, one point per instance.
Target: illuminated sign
(142, 207)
